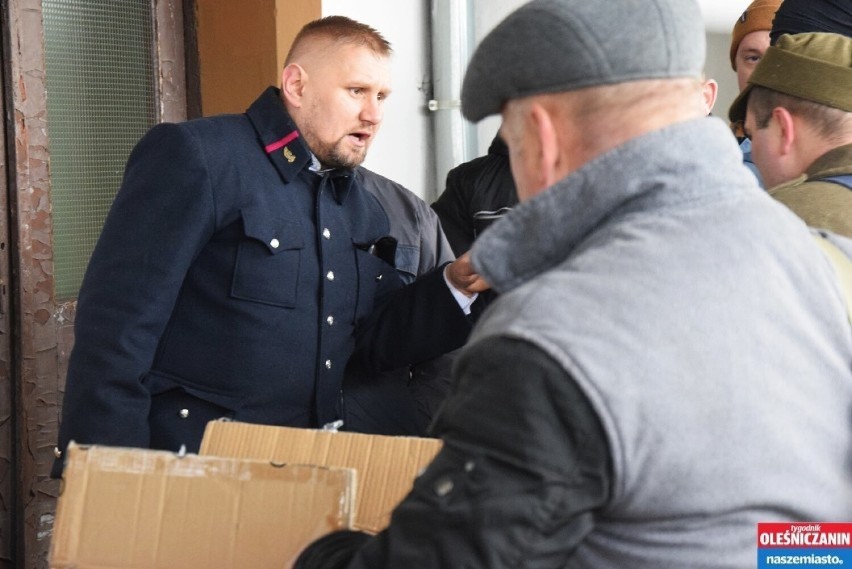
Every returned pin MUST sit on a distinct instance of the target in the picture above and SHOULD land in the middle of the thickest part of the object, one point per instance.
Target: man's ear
(709, 89)
(786, 130)
(548, 144)
(293, 80)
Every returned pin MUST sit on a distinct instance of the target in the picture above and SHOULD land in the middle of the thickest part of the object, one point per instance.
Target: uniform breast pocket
(266, 269)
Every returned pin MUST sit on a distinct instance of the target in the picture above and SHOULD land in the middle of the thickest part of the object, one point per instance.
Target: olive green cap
(814, 66)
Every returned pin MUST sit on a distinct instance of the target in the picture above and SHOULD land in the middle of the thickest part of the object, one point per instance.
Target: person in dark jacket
(401, 401)
(242, 265)
(640, 395)
(478, 192)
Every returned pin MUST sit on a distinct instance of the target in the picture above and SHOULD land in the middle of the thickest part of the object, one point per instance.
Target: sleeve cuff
(464, 301)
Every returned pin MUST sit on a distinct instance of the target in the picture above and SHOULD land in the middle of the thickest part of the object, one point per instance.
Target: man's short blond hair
(338, 29)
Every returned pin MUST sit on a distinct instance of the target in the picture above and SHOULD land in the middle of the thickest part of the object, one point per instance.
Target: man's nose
(372, 111)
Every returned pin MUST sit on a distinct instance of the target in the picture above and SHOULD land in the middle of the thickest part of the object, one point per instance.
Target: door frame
(36, 331)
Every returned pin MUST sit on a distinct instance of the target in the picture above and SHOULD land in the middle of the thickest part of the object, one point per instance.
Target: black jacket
(477, 193)
(515, 485)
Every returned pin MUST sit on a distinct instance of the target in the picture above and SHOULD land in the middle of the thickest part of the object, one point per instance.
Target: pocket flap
(408, 262)
(276, 234)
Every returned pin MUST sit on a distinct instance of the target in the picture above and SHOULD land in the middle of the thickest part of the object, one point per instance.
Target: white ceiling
(720, 15)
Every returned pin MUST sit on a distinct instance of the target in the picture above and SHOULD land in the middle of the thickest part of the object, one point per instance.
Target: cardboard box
(386, 466)
(129, 508)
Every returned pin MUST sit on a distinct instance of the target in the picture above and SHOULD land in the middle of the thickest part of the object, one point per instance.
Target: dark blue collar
(283, 143)
(278, 135)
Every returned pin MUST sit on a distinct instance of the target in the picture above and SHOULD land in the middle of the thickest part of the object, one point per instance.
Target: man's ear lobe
(293, 79)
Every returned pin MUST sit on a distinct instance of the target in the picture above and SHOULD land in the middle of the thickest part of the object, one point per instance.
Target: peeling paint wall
(37, 382)
(171, 56)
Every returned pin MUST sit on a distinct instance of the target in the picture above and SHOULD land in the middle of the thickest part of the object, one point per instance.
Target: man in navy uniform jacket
(242, 264)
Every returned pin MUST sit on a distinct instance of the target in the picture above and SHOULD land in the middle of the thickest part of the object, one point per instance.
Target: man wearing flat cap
(669, 361)
(797, 109)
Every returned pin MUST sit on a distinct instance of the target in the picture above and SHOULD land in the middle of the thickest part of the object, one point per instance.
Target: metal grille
(100, 75)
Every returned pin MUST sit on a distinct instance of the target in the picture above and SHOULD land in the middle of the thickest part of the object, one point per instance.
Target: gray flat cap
(547, 46)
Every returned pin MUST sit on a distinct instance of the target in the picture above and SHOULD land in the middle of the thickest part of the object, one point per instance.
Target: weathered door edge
(35, 340)
(9, 543)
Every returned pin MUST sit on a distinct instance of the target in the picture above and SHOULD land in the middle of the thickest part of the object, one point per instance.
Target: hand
(461, 275)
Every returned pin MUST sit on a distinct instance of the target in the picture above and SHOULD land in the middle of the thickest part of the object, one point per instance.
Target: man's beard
(336, 156)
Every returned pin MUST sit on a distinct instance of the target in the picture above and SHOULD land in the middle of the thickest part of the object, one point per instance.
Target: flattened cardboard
(133, 508)
(386, 466)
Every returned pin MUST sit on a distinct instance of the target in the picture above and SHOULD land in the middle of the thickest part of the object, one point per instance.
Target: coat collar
(283, 143)
(836, 161)
(689, 162)
(278, 135)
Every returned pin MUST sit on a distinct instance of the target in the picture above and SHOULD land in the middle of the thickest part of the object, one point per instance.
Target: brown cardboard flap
(129, 508)
(386, 466)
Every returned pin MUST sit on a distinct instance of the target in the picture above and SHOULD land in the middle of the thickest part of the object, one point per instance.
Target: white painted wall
(720, 15)
(403, 149)
(487, 14)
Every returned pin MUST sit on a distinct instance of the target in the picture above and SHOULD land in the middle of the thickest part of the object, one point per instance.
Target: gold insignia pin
(289, 155)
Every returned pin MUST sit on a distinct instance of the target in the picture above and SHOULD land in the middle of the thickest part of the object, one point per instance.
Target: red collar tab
(273, 146)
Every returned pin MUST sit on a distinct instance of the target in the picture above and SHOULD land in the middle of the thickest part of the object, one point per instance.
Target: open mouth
(359, 138)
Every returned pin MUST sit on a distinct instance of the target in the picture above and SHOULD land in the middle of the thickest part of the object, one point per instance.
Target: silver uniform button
(327, 364)
(57, 453)
(184, 413)
(378, 278)
(444, 486)
(274, 243)
(326, 233)
(330, 275)
(330, 320)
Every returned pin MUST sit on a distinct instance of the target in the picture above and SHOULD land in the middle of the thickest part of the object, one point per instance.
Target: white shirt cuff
(464, 301)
